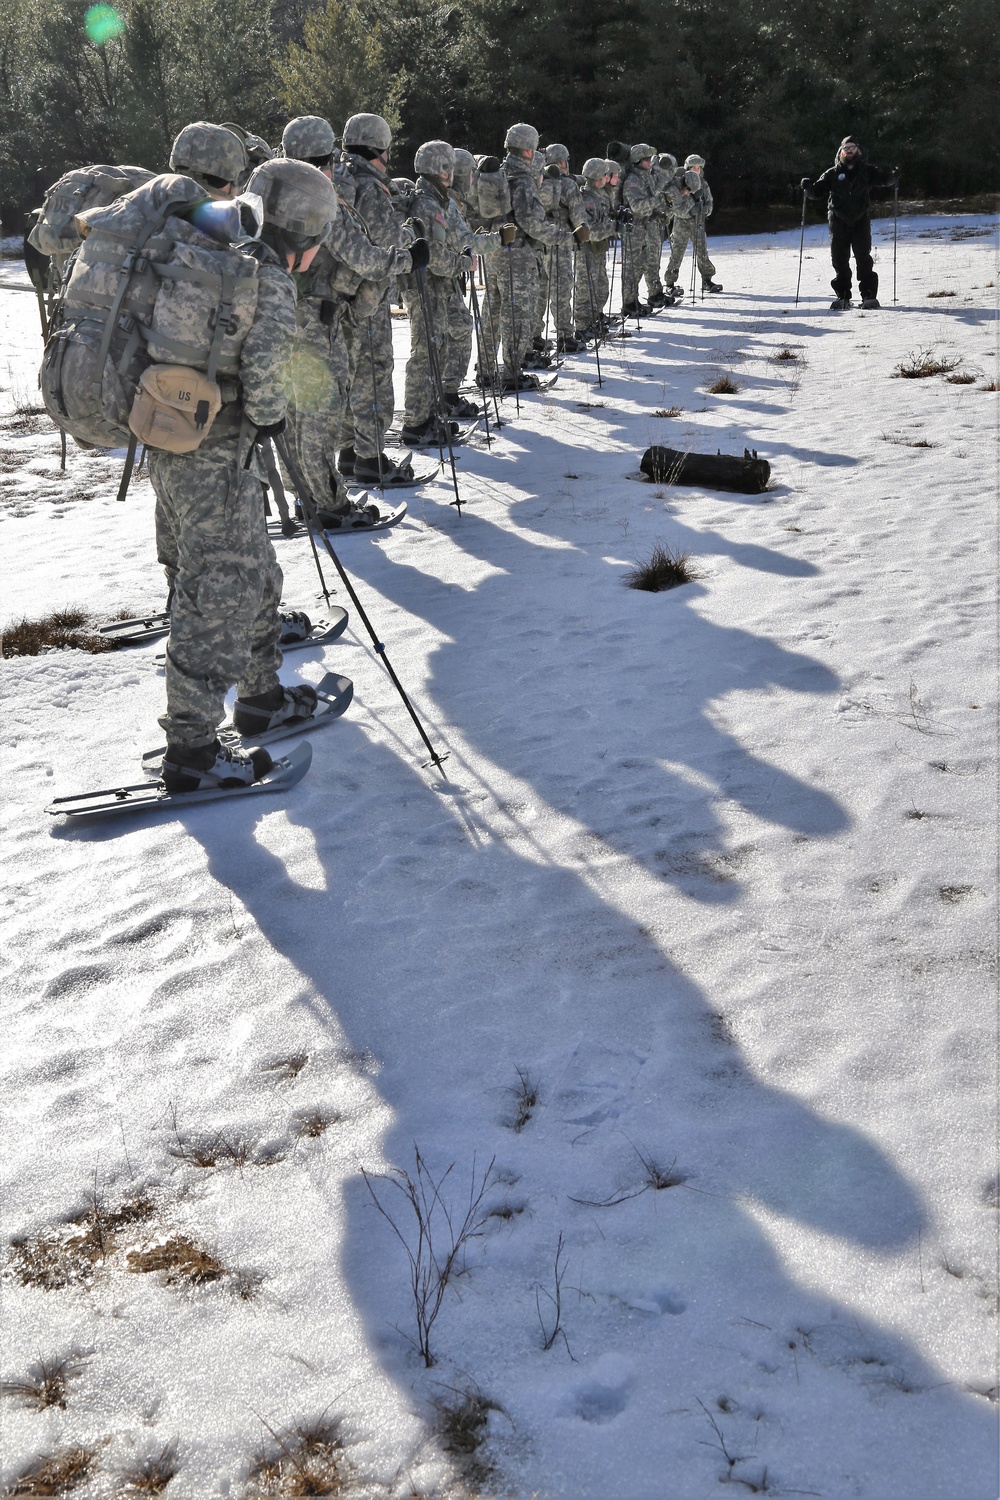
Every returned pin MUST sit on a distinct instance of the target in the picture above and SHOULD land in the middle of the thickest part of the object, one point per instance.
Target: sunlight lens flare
(103, 23)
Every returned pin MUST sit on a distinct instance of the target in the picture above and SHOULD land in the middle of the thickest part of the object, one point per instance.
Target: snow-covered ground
(710, 874)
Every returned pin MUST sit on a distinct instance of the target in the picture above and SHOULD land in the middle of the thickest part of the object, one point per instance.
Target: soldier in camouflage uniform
(692, 205)
(213, 155)
(439, 318)
(345, 266)
(592, 287)
(518, 277)
(367, 139)
(641, 242)
(564, 206)
(210, 530)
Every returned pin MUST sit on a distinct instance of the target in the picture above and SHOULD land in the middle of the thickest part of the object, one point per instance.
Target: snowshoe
(567, 344)
(462, 409)
(711, 286)
(870, 302)
(429, 434)
(523, 382)
(635, 310)
(840, 304)
(202, 768)
(537, 361)
(658, 299)
(543, 346)
(345, 461)
(283, 705)
(295, 626)
(368, 471)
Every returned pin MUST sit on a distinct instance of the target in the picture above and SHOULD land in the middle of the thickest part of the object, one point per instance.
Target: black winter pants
(856, 238)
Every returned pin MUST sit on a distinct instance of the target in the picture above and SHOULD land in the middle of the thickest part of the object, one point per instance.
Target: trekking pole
(477, 324)
(699, 232)
(584, 251)
(312, 521)
(514, 331)
(495, 347)
(376, 407)
(802, 241)
(611, 281)
(288, 527)
(694, 260)
(895, 221)
(443, 417)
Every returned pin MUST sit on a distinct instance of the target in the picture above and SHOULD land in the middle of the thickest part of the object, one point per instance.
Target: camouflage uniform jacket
(527, 208)
(448, 235)
(563, 203)
(374, 203)
(264, 354)
(641, 191)
(348, 257)
(695, 201)
(600, 215)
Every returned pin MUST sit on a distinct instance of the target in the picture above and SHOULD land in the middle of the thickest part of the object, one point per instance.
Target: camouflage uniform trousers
(592, 293)
(319, 382)
(684, 231)
(458, 348)
(641, 247)
(560, 278)
(489, 312)
(372, 404)
(211, 537)
(442, 297)
(516, 270)
(538, 329)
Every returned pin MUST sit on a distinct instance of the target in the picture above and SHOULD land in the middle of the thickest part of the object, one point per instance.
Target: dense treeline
(764, 89)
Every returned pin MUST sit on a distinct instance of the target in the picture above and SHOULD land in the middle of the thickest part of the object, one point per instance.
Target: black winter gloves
(420, 254)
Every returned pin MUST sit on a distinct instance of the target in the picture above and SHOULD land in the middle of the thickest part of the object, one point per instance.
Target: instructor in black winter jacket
(847, 187)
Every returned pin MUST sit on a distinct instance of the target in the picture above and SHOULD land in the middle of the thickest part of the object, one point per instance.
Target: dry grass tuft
(961, 379)
(664, 570)
(923, 362)
(309, 1459)
(220, 1150)
(316, 1123)
(152, 1475)
(463, 1424)
(994, 385)
(287, 1068)
(54, 1474)
(942, 294)
(525, 1096)
(669, 411)
(46, 1383)
(68, 1257)
(786, 355)
(65, 629)
(183, 1261)
(725, 385)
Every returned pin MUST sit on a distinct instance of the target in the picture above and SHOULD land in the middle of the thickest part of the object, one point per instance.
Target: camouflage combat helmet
(595, 167)
(641, 152)
(300, 203)
(666, 161)
(693, 161)
(306, 137)
(369, 131)
(465, 164)
(257, 148)
(206, 152)
(555, 153)
(435, 159)
(521, 138)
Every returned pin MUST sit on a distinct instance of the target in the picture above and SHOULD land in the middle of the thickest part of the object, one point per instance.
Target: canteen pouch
(174, 408)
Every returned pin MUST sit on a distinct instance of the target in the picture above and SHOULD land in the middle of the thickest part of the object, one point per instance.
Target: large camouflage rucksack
(147, 290)
(55, 231)
(493, 190)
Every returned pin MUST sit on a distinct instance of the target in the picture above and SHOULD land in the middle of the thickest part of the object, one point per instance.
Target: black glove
(625, 215)
(894, 179)
(805, 184)
(508, 234)
(420, 254)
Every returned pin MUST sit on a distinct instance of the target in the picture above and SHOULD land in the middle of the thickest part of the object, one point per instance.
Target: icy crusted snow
(714, 869)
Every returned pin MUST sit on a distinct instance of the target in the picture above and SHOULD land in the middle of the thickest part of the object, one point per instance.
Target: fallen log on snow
(713, 471)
